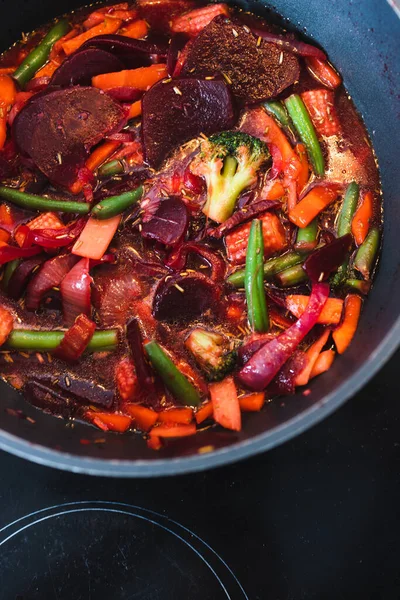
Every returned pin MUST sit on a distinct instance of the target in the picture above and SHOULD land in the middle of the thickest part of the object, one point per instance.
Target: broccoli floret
(229, 162)
(212, 352)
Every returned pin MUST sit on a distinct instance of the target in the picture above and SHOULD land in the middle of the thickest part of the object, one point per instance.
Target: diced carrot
(273, 134)
(291, 199)
(330, 314)
(191, 374)
(109, 421)
(176, 415)
(226, 408)
(98, 15)
(144, 418)
(126, 380)
(323, 363)
(6, 324)
(194, 21)
(362, 219)
(312, 355)
(4, 235)
(7, 70)
(173, 431)
(252, 402)
(323, 72)
(273, 191)
(57, 53)
(47, 220)
(48, 69)
(109, 26)
(135, 109)
(304, 173)
(136, 30)
(141, 79)
(154, 442)
(204, 412)
(320, 105)
(98, 156)
(7, 96)
(96, 237)
(234, 313)
(274, 236)
(343, 335)
(312, 204)
(5, 215)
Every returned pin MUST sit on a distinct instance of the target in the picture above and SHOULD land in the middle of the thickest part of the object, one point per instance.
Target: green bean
(306, 238)
(358, 285)
(366, 254)
(257, 311)
(39, 55)
(113, 167)
(32, 202)
(8, 271)
(348, 209)
(115, 205)
(292, 276)
(46, 341)
(302, 122)
(271, 268)
(278, 110)
(179, 386)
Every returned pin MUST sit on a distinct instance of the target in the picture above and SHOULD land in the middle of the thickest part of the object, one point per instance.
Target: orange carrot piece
(96, 237)
(47, 220)
(109, 421)
(304, 173)
(136, 30)
(6, 324)
(135, 109)
(48, 69)
(291, 198)
(98, 156)
(57, 53)
(321, 106)
(154, 443)
(144, 418)
(109, 26)
(205, 412)
(252, 402)
(5, 215)
(194, 21)
(323, 363)
(312, 355)
(4, 235)
(330, 314)
(226, 408)
(173, 431)
(7, 70)
(324, 72)
(176, 415)
(7, 97)
(274, 191)
(141, 79)
(362, 219)
(312, 204)
(273, 134)
(343, 335)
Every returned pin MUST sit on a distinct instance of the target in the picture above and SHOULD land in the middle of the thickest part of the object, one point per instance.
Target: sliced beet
(322, 262)
(57, 128)
(19, 278)
(80, 67)
(85, 391)
(113, 295)
(257, 72)
(45, 397)
(159, 13)
(180, 298)
(124, 94)
(179, 110)
(169, 223)
(133, 53)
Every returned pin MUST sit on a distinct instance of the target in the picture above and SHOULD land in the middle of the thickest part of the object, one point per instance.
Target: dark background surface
(317, 518)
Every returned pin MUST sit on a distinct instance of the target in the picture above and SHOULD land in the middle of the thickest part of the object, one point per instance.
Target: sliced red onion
(260, 370)
(76, 339)
(177, 259)
(193, 183)
(52, 238)
(143, 370)
(322, 262)
(243, 215)
(50, 274)
(75, 292)
(246, 351)
(19, 278)
(290, 44)
(8, 253)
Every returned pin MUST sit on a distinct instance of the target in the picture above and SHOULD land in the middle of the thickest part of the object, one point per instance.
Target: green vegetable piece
(271, 268)
(302, 122)
(254, 279)
(306, 239)
(115, 205)
(47, 341)
(292, 276)
(179, 386)
(39, 55)
(367, 252)
(278, 110)
(40, 203)
(348, 209)
(358, 285)
(341, 274)
(212, 352)
(8, 271)
(113, 167)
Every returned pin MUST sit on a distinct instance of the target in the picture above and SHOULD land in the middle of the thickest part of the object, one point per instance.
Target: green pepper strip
(343, 227)
(113, 167)
(366, 254)
(277, 110)
(115, 205)
(271, 268)
(306, 239)
(179, 386)
(257, 311)
(39, 55)
(292, 276)
(8, 271)
(46, 341)
(301, 120)
(32, 202)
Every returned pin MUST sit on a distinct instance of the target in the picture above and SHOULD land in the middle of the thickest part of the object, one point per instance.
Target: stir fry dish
(190, 217)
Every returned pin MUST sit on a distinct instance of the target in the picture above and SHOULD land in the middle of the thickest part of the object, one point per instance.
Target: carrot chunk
(330, 314)
(109, 26)
(194, 21)
(312, 204)
(109, 421)
(135, 109)
(96, 237)
(47, 220)
(136, 30)
(323, 363)
(312, 355)
(320, 105)
(252, 402)
(6, 324)
(225, 403)
(144, 418)
(205, 412)
(176, 415)
(173, 431)
(344, 334)
(141, 79)
(323, 72)
(362, 218)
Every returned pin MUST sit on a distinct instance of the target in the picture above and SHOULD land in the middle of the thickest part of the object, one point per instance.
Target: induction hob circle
(109, 551)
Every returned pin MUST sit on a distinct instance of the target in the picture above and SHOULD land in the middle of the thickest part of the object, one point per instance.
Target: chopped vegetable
(343, 335)
(306, 239)
(76, 339)
(176, 415)
(50, 275)
(194, 21)
(323, 261)
(33, 202)
(292, 276)
(323, 363)
(278, 110)
(135, 109)
(138, 29)
(271, 268)
(330, 314)
(367, 252)
(312, 204)
(225, 402)
(7, 97)
(115, 205)
(140, 79)
(312, 355)
(108, 27)
(11, 253)
(109, 421)
(96, 237)
(47, 220)
(252, 402)
(48, 341)
(75, 292)
(213, 353)
(204, 412)
(6, 324)
(257, 311)
(111, 168)
(321, 107)
(362, 219)
(323, 72)
(126, 380)
(170, 430)
(358, 285)
(97, 158)
(274, 238)
(143, 418)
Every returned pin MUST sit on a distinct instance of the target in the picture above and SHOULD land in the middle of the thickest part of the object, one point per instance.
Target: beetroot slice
(80, 67)
(256, 72)
(180, 298)
(57, 128)
(133, 53)
(180, 110)
(169, 223)
(159, 13)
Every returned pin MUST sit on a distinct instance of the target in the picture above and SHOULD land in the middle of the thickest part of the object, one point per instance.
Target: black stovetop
(316, 519)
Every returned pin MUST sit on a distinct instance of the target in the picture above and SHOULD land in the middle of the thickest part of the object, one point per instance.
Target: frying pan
(362, 40)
